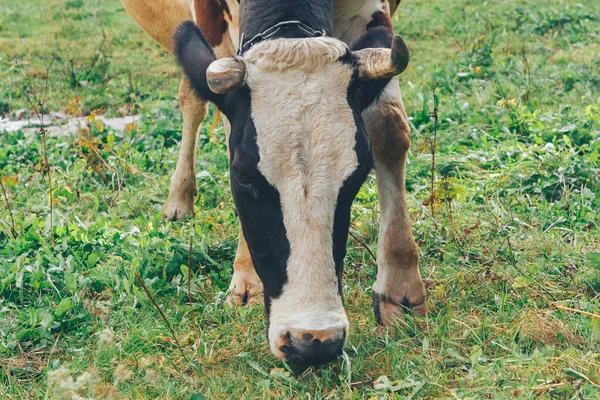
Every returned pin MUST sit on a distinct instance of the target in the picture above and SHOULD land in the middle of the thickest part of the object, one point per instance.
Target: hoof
(246, 298)
(245, 289)
(397, 299)
(386, 309)
(178, 207)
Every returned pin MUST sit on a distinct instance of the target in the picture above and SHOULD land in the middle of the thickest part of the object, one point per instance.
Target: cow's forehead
(306, 54)
(300, 109)
(303, 120)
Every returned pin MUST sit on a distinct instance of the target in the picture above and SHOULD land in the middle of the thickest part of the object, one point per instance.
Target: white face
(299, 154)
(306, 133)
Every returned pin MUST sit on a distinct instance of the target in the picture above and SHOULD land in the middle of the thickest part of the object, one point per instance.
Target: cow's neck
(256, 16)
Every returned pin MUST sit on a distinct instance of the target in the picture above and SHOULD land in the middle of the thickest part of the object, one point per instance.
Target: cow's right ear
(195, 55)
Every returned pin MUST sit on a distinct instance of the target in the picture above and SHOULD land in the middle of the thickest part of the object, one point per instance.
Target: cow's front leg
(182, 191)
(246, 287)
(398, 285)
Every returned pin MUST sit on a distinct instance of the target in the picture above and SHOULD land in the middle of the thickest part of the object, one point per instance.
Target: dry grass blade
(363, 244)
(589, 314)
(162, 314)
(48, 170)
(10, 211)
(433, 145)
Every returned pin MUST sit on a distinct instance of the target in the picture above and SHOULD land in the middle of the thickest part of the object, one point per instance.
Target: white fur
(306, 136)
(305, 55)
(351, 17)
(193, 10)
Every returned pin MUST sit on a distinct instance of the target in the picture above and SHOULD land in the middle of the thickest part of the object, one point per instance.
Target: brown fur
(158, 18)
(390, 137)
(380, 18)
(246, 286)
(210, 17)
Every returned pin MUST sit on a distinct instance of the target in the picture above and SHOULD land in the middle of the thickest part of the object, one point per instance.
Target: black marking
(349, 190)
(195, 54)
(377, 308)
(313, 352)
(257, 202)
(256, 16)
(380, 19)
(405, 304)
(245, 297)
(370, 90)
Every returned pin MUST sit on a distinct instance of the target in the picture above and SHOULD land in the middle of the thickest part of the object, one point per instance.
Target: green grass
(514, 232)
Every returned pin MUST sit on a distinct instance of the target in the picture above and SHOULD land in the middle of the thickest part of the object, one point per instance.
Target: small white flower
(85, 381)
(105, 338)
(60, 381)
(122, 374)
(548, 147)
(145, 362)
(151, 376)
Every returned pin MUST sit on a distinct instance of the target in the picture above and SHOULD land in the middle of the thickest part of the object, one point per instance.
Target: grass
(511, 254)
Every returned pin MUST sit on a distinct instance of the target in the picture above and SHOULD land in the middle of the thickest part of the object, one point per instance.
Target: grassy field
(509, 240)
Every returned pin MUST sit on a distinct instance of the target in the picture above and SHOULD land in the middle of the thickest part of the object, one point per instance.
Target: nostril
(291, 355)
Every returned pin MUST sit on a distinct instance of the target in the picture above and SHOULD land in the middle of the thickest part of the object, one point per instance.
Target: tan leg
(158, 18)
(180, 203)
(398, 283)
(246, 287)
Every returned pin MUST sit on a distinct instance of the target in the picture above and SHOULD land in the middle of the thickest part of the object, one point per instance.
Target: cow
(311, 97)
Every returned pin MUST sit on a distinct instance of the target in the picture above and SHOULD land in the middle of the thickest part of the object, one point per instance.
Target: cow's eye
(244, 181)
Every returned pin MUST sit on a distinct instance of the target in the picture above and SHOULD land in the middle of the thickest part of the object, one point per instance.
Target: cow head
(299, 153)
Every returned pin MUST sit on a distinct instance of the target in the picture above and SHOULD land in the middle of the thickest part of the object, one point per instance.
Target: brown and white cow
(311, 104)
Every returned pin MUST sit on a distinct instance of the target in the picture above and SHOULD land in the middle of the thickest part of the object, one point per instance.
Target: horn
(225, 74)
(379, 63)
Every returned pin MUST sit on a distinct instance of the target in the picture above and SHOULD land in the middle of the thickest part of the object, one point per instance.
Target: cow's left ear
(195, 55)
(379, 55)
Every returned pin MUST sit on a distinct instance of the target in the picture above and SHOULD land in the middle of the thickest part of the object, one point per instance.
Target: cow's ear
(379, 55)
(195, 55)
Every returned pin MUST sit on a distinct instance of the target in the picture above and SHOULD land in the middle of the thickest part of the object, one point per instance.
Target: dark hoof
(386, 309)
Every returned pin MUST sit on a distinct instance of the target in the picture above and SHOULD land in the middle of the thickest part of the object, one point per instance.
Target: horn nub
(225, 74)
(379, 63)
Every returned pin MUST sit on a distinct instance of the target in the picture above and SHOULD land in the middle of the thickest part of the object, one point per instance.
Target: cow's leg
(398, 283)
(180, 203)
(246, 287)
(159, 18)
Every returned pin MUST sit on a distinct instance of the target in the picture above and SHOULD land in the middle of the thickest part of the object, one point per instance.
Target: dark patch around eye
(259, 209)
